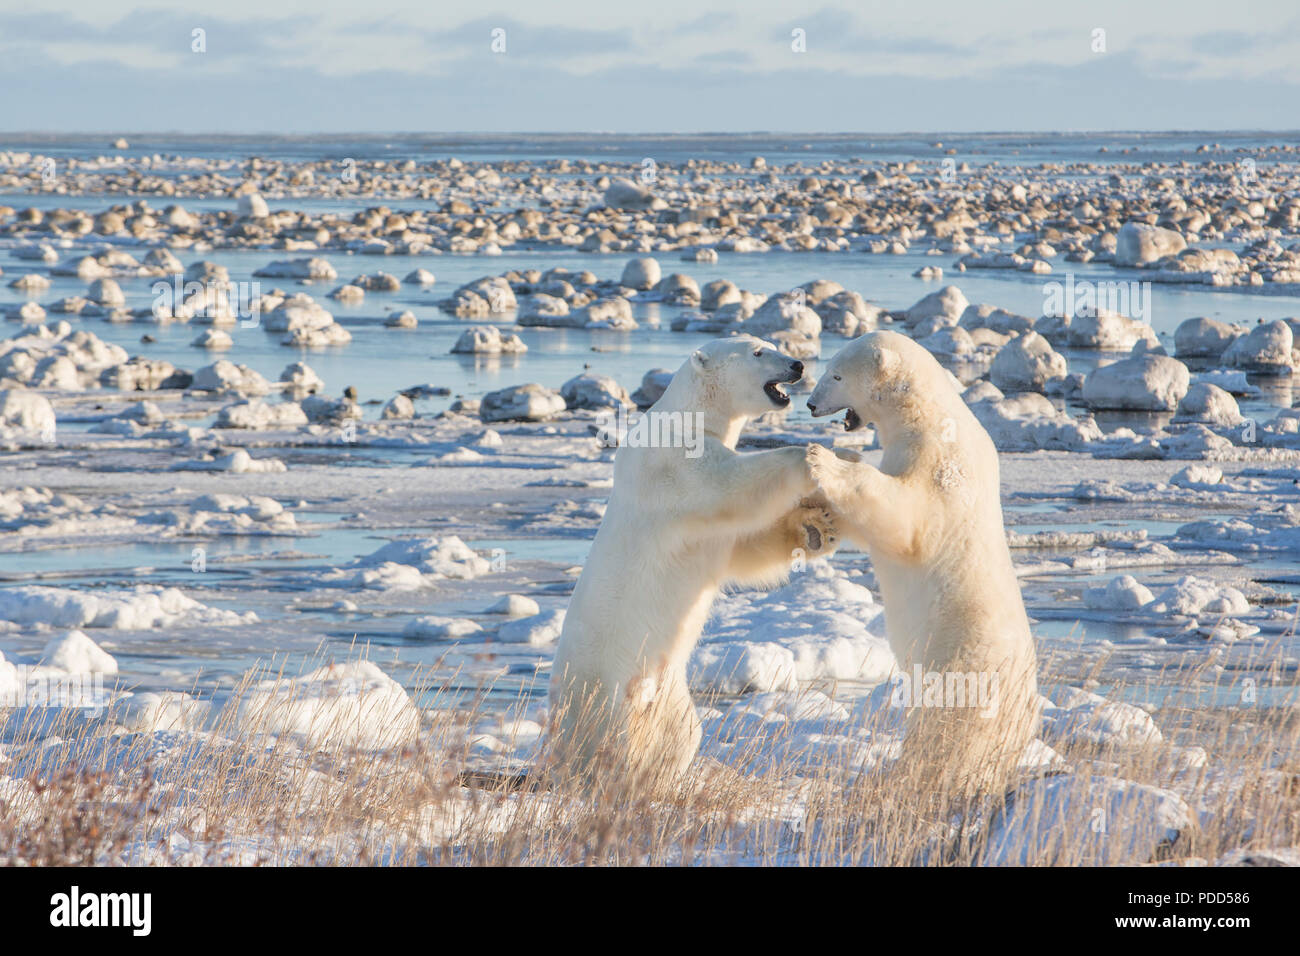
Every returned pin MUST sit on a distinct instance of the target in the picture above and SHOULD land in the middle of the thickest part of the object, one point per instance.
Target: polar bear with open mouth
(680, 524)
(931, 519)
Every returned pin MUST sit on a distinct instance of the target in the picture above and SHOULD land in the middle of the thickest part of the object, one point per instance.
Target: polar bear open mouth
(852, 421)
(776, 393)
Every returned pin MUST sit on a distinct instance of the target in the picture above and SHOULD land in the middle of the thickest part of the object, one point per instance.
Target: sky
(295, 66)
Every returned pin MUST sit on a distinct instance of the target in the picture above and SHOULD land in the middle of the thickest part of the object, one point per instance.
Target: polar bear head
(879, 377)
(742, 376)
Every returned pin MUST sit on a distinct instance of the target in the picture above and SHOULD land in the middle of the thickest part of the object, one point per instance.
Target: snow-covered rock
(529, 402)
(342, 705)
(1143, 382)
(1138, 243)
(536, 630)
(1026, 364)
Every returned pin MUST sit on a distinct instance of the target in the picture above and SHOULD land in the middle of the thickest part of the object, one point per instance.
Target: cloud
(529, 95)
(839, 31)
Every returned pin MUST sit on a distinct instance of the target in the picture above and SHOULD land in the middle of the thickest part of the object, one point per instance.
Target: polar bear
(681, 522)
(931, 519)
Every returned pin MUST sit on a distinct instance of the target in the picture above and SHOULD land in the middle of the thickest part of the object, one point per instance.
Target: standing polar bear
(681, 522)
(931, 519)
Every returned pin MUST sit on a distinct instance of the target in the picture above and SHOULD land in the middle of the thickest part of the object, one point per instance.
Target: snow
(536, 630)
(1077, 716)
(76, 653)
(349, 705)
(1101, 819)
(142, 607)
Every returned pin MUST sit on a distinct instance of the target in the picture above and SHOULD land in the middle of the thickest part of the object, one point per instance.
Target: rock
(321, 410)
(1204, 338)
(348, 293)
(610, 312)
(106, 292)
(593, 391)
(1152, 383)
(332, 334)
(701, 255)
(515, 605)
(1192, 596)
(28, 313)
(399, 407)
(625, 194)
(421, 277)
(401, 320)
(784, 312)
(252, 206)
(27, 410)
(951, 342)
(848, 314)
(947, 304)
(1026, 364)
(1201, 477)
(641, 274)
(540, 309)
(530, 402)
(1108, 331)
(214, 339)
(1138, 243)
(31, 282)
(309, 268)
(1122, 593)
(653, 385)
(298, 380)
(537, 630)
(226, 376)
(796, 344)
(141, 374)
(297, 312)
(379, 282)
(256, 414)
(678, 289)
(998, 320)
(1210, 404)
(488, 340)
(1268, 349)
(718, 293)
(432, 627)
(55, 371)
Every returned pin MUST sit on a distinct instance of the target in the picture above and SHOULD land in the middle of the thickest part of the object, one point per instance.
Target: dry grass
(236, 795)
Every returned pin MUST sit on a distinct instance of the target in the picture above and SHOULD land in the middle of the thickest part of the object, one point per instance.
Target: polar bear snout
(772, 388)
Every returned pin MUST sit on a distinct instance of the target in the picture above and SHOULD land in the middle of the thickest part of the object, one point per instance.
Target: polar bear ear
(699, 360)
(889, 363)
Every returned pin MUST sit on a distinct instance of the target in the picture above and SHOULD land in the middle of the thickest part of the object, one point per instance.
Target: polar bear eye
(836, 377)
(758, 353)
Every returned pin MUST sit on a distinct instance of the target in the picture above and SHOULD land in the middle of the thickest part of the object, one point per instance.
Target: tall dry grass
(236, 794)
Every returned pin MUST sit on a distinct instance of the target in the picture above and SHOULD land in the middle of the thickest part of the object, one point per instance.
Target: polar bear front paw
(827, 470)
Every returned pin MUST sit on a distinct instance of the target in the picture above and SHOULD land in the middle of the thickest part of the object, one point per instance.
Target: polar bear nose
(811, 407)
(797, 368)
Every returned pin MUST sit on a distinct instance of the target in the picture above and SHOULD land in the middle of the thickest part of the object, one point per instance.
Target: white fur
(676, 529)
(931, 519)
